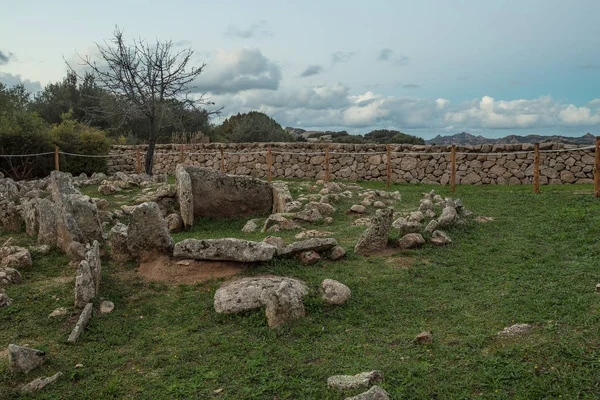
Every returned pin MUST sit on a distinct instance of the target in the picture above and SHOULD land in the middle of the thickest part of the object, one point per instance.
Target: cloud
(239, 70)
(6, 57)
(254, 31)
(12, 80)
(384, 55)
(311, 70)
(578, 116)
(342, 56)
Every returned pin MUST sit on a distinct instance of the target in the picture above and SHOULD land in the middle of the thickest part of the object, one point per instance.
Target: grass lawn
(537, 263)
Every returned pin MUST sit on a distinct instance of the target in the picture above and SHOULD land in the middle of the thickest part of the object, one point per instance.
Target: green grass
(536, 263)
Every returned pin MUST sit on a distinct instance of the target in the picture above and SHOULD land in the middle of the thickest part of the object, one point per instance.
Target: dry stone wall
(510, 164)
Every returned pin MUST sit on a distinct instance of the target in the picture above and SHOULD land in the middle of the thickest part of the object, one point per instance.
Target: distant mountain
(465, 138)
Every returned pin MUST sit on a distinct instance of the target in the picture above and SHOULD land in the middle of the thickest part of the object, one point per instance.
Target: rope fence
(328, 154)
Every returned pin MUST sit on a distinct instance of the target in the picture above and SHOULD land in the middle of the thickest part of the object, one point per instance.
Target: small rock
(424, 338)
(41, 249)
(334, 292)
(416, 216)
(515, 330)
(440, 238)
(410, 241)
(482, 220)
(40, 383)
(337, 253)
(78, 365)
(174, 222)
(597, 290)
(309, 257)
(59, 312)
(251, 226)
(375, 393)
(431, 226)
(5, 301)
(275, 241)
(23, 359)
(358, 209)
(362, 222)
(350, 382)
(379, 204)
(106, 307)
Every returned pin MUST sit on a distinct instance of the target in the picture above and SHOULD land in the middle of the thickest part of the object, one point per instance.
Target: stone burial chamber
(204, 192)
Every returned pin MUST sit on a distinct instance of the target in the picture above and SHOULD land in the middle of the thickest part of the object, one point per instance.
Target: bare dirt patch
(186, 271)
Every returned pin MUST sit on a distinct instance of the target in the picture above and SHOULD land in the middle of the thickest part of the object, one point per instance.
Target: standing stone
(281, 197)
(334, 292)
(283, 305)
(47, 215)
(92, 256)
(31, 217)
(148, 233)
(24, 359)
(376, 236)
(226, 249)
(84, 318)
(185, 195)
(85, 288)
(118, 239)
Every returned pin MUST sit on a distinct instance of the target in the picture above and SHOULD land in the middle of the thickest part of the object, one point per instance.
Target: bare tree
(145, 80)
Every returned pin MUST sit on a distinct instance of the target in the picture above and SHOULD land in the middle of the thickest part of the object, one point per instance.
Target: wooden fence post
(597, 169)
(269, 162)
(327, 163)
(56, 164)
(222, 160)
(536, 168)
(389, 164)
(453, 173)
(138, 161)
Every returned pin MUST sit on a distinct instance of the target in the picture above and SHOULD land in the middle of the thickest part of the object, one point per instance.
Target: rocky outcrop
(227, 249)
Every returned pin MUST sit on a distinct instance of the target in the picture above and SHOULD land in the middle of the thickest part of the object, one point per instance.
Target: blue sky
(422, 67)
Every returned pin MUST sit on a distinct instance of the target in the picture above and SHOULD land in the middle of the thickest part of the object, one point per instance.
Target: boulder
(351, 382)
(148, 233)
(376, 236)
(440, 238)
(315, 244)
(283, 304)
(410, 241)
(215, 194)
(275, 241)
(431, 226)
(47, 218)
(227, 249)
(374, 393)
(281, 221)
(250, 293)
(309, 257)
(118, 238)
(106, 307)
(308, 215)
(515, 330)
(9, 276)
(323, 208)
(40, 383)
(24, 359)
(15, 257)
(406, 227)
(448, 217)
(358, 209)
(337, 253)
(334, 292)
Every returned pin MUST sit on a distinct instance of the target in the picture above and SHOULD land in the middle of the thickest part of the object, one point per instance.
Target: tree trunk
(149, 164)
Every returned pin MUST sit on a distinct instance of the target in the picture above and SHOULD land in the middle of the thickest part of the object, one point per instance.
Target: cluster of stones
(12, 259)
(360, 381)
(485, 164)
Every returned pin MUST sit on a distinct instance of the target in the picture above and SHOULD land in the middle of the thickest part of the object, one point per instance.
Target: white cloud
(12, 80)
(578, 116)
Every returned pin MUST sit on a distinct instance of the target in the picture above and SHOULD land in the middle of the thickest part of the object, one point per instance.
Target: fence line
(328, 154)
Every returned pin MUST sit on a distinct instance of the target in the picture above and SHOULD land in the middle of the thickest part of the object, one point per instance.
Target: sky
(423, 67)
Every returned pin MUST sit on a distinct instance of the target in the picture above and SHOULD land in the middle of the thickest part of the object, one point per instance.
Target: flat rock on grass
(375, 393)
(40, 383)
(515, 330)
(314, 244)
(23, 359)
(227, 249)
(351, 382)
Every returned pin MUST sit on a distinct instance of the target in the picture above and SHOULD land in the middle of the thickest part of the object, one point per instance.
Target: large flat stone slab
(226, 249)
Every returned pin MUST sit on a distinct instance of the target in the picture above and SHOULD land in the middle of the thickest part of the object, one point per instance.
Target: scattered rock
(311, 215)
(431, 226)
(323, 208)
(5, 301)
(358, 209)
(328, 220)
(40, 383)
(351, 382)
(406, 227)
(59, 312)
(148, 233)
(376, 236)
(416, 216)
(375, 393)
(84, 318)
(448, 217)
(424, 338)
(283, 304)
(251, 226)
(337, 253)
(226, 249)
(9, 276)
(440, 238)
(24, 359)
(281, 221)
(410, 241)
(106, 307)
(379, 204)
(15, 257)
(482, 220)
(362, 222)
(309, 257)
(515, 330)
(316, 244)
(334, 292)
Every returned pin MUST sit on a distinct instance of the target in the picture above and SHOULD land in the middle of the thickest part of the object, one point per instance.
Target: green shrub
(23, 132)
(77, 138)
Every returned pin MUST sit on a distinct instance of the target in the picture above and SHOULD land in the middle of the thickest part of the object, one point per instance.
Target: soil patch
(186, 271)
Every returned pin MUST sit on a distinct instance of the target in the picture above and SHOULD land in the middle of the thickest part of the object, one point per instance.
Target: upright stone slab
(220, 195)
(376, 236)
(281, 197)
(31, 216)
(84, 318)
(47, 215)
(185, 195)
(148, 232)
(92, 256)
(85, 287)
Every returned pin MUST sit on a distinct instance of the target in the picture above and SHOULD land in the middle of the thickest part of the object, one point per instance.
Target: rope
(25, 155)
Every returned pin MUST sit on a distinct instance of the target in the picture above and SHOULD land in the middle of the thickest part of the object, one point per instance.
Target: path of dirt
(186, 271)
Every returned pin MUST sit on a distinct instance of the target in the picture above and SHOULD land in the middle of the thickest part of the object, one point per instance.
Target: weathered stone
(85, 288)
(227, 249)
(374, 393)
(448, 217)
(379, 204)
(216, 194)
(309, 257)
(250, 293)
(283, 304)
(82, 322)
(76, 251)
(308, 215)
(108, 189)
(92, 256)
(470, 179)
(31, 217)
(283, 223)
(24, 359)
(315, 244)
(431, 226)
(323, 208)
(59, 312)
(424, 338)
(118, 239)
(334, 292)
(376, 236)
(174, 223)
(515, 330)
(106, 307)
(9, 276)
(312, 233)
(185, 195)
(410, 241)
(250, 226)
(440, 238)
(148, 233)
(15, 257)
(281, 197)
(362, 222)
(275, 241)
(5, 301)
(337, 253)
(359, 209)
(47, 216)
(40, 383)
(416, 216)
(406, 227)
(351, 382)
